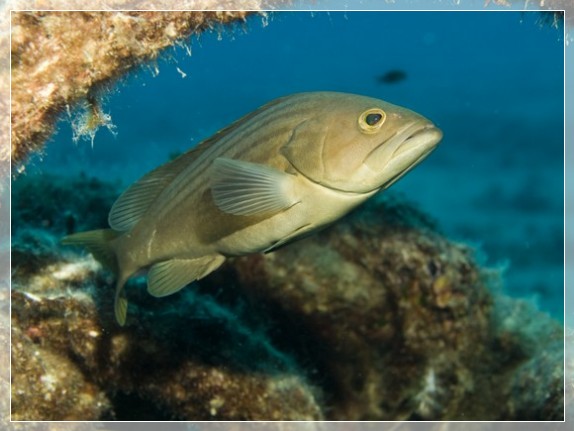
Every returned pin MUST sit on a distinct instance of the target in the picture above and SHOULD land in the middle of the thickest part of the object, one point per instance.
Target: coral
(60, 59)
(378, 317)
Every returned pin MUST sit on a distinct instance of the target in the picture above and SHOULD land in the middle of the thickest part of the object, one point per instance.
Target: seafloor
(379, 317)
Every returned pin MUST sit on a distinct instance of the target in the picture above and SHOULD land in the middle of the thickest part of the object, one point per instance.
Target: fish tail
(98, 242)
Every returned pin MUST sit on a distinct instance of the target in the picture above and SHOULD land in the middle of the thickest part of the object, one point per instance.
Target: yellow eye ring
(371, 120)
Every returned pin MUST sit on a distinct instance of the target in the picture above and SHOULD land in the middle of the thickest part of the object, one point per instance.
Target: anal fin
(170, 276)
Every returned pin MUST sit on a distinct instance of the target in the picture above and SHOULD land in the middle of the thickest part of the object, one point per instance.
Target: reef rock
(64, 59)
(66, 358)
(187, 357)
(378, 317)
(400, 323)
(48, 385)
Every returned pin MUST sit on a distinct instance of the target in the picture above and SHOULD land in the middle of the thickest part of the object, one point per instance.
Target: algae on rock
(189, 357)
(378, 317)
(401, 324)
(60, 59)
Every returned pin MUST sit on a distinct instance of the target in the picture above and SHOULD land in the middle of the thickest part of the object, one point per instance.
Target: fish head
(360, 144)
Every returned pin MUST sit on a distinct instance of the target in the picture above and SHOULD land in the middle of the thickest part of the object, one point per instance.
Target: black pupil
(373, 119)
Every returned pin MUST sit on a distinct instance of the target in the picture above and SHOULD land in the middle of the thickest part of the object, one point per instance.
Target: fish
(281, 172)
(392, 76)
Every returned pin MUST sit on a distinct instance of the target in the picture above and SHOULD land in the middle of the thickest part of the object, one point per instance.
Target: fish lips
(403, 151)
(417, 145)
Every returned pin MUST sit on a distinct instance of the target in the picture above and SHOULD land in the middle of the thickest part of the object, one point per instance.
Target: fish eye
(371, 120)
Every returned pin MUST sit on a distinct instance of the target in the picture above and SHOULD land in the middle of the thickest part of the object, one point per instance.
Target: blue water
(492, 81)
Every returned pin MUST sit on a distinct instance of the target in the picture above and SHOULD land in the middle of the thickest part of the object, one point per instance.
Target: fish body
(285, 170)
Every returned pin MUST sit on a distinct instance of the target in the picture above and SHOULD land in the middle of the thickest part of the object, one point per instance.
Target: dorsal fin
(130, 207)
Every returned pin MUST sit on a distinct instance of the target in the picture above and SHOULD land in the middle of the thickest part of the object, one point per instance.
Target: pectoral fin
(166, 278)
(244, 188)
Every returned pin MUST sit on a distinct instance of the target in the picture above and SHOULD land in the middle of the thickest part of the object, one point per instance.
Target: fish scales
(279, 173)
(262, 123)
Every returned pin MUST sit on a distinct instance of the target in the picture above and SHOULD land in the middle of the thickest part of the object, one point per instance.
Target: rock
(66, 338)
(398, 322)
(60, 345)
(48, 385)
(60, 59)
(379, 317)
(148, 363)
(532, 347)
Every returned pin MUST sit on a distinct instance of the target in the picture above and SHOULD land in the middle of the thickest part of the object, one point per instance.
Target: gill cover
(330, 148)
(305, 149)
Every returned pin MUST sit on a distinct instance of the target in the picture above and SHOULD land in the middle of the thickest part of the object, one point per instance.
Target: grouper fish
(285, 170)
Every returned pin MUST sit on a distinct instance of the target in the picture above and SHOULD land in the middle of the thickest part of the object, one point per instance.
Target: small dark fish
(392, 77)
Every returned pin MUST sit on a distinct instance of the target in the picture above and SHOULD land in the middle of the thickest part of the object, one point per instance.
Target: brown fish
(287, 169)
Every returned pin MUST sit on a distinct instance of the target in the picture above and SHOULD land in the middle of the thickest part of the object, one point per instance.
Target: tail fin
(98, 243)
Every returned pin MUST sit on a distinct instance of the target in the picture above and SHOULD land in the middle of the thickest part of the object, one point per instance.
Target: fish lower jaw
(423, 140)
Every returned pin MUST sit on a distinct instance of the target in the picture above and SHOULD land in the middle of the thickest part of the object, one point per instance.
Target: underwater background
(493, 82)
(397, 312)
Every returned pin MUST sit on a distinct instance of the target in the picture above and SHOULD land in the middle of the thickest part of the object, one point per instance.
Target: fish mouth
(419, 143)
(403, 151)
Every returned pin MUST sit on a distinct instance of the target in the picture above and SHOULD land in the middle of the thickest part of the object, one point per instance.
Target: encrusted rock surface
(187, 358)
(400, 322)
(67, 358)
(46, 385)
(62, 59)
(378, 317)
